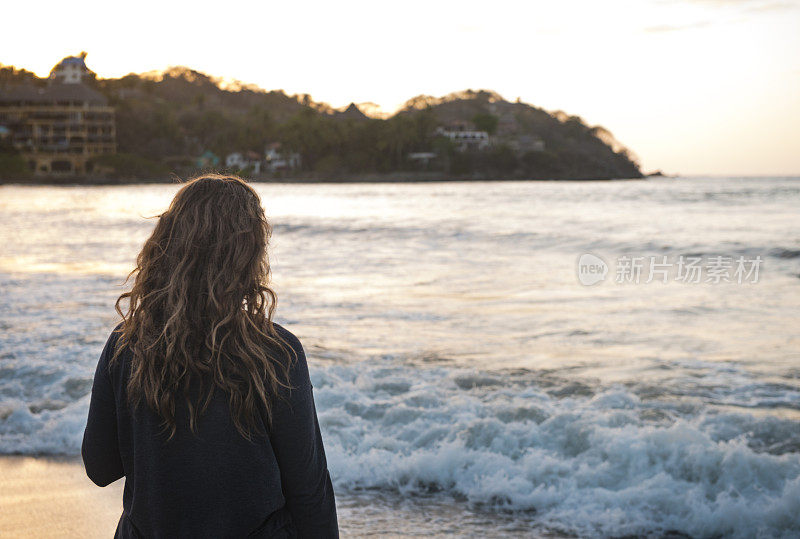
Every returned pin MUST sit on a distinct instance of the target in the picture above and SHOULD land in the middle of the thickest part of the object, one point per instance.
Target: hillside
(166, 120)
(572, 149)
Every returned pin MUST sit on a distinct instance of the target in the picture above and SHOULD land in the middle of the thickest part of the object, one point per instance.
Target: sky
(694, 87)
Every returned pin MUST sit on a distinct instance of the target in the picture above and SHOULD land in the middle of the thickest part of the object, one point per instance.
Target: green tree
(13, 167)
(485, 122)
(502, 159)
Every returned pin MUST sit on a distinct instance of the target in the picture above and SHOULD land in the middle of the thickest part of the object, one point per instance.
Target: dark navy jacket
(211, 483)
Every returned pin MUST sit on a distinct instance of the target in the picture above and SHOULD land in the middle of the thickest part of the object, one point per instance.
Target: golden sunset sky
(691, 86)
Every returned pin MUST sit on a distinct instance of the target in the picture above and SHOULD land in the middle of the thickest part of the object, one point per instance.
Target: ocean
(504, 359)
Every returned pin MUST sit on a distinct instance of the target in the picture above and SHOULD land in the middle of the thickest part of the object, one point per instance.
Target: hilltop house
(71, 70)
(352, 112)
(279, 160)
(58, 128)
(464, 138)
(250, 161)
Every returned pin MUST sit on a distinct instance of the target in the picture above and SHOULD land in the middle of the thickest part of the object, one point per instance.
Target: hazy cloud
(676, 27)
(737, 7)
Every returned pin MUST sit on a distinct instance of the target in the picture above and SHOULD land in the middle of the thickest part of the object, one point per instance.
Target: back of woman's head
(200, 308)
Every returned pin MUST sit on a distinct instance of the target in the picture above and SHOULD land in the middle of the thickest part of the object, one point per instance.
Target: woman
(199, 400)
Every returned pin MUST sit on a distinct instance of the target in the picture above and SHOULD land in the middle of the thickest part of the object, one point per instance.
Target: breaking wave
(581, 459)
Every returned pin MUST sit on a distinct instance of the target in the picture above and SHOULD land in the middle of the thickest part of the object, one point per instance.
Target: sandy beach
(45, 497)
(52, 497)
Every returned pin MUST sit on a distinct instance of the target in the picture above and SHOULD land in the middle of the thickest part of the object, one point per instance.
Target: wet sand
(52, 497)
(43, 497)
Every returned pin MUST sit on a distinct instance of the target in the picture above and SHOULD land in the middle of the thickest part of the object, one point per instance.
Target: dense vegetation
(166, 120)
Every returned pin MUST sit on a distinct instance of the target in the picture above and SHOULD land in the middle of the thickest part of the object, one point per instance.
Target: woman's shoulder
(113, 340)
(290, 338)
(110, 360)
(298, 365)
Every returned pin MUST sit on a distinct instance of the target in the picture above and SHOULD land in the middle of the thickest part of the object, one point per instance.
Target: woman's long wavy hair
(200, 310)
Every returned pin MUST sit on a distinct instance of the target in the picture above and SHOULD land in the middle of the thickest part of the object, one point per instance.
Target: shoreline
(393, 178)
(50, 496)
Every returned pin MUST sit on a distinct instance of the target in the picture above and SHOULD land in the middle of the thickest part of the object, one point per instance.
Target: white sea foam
(589, 465)
(609, 463)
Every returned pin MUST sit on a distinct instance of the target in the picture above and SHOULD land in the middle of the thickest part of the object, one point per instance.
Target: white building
(70, 70)
(244, 161)
(465, 139)
(235, 160)
(278, 160)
